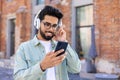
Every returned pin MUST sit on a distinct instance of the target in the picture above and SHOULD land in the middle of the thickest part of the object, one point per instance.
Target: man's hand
(61, 34)
(51, 60)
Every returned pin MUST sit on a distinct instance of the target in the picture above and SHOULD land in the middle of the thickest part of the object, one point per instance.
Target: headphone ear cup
(60, 23)
(37, 20)
(38, 23)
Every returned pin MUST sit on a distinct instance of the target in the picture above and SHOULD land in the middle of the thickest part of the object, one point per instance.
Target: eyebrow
(50, 23)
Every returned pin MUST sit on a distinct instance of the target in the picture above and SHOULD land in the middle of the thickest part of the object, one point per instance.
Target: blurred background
(92, 26)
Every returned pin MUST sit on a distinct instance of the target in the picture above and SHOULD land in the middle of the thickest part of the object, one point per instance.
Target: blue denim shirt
(30, 54)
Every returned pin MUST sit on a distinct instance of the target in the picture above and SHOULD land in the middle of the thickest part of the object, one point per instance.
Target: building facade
(107, 23)
(16, 26)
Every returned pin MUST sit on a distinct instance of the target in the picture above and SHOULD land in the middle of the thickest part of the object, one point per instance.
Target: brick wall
(21, 11)
(0, 22)
(107, 23)
(106, 20)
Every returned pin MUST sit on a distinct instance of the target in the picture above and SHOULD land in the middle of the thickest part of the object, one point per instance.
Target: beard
(46, 37)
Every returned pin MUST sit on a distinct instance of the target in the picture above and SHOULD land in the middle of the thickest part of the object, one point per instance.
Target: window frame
(78, 45)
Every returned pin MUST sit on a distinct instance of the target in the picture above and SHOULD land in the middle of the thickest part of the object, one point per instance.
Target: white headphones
(37, 21)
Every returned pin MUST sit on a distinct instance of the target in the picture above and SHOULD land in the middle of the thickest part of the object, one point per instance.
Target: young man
(37, 60)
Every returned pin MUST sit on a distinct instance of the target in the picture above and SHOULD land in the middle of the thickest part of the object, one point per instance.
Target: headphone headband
(37, 21)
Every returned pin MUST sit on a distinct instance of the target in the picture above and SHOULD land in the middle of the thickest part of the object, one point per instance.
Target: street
(7, 74)
(6, 71)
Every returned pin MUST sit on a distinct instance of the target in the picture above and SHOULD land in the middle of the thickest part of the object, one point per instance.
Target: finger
(58, 52)
(66, 53)
(59, 59)
(61, 32)
(63, 26)
(58, 33)
(50, 53)
(57, 63)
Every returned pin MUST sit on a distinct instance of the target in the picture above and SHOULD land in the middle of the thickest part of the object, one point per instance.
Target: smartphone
(61, 45)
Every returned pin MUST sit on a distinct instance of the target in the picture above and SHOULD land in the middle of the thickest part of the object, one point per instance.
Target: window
(85, 15)
(10, 37)
(84, 18)
(9, 0)
(39, 2)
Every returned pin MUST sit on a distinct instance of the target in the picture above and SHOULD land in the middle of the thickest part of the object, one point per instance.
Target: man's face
(48, 27)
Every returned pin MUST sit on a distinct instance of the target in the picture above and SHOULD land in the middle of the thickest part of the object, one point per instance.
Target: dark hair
(51, 11)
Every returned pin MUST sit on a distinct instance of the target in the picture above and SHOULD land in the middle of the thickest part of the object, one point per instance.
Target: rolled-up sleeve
(73, 62)
(21, 69)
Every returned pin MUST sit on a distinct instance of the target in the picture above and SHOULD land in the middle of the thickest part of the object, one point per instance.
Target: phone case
(61, 45)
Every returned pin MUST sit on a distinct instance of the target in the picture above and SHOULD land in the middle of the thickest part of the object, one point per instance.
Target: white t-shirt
(50, 71)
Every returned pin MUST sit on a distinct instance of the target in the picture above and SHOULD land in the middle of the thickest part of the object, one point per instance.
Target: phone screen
(61, 45)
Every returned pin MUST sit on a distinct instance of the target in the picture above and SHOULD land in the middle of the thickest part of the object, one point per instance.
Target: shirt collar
(35, 41)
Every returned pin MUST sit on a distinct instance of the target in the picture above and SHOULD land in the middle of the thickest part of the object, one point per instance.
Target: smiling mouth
(49, 33)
